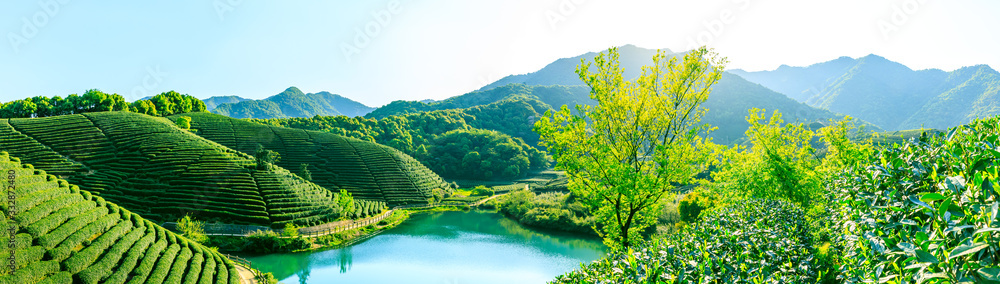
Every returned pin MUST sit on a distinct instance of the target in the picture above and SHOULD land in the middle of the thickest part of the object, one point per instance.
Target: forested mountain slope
(214, 102)
(557, 84)
(514, 108)
(293, 103)
(889, 94)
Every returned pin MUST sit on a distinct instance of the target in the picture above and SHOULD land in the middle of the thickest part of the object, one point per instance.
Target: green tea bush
(271, 242)
(925, 211)
(754, 241)
(83, 259)
(551, 210)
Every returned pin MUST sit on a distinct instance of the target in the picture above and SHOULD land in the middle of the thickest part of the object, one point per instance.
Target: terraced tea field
(149, 166)
(68, 235)
(367, 170)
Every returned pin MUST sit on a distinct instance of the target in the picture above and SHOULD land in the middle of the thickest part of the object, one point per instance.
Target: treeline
(444, 141)
(94, 100)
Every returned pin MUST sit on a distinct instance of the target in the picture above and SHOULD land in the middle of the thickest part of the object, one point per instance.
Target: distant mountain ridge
(889, 94)
(557, 84)
(291, 103)
(631, 57)
(214, 102)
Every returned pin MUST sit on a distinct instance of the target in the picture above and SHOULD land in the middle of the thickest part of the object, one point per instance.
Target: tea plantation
(151, 167)
(926, 210)
(367, 170)
(68, 235)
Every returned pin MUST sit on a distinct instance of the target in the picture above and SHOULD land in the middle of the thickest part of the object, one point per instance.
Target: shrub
(148, 261)
(290, 230)
(163, 264)
(192, 229)
(925, 211)
(184, 122)
(104, 267)
(482, 191)
(90, 253)
(753, 241)
(180, 265)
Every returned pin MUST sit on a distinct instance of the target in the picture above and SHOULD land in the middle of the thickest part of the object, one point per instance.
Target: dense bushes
(552, 210)
(94, 100)
(260, 242)
(483, 154)
(445, 141)
(755, 241)
(925, 211)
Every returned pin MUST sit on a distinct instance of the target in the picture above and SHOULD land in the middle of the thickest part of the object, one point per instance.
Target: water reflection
(345, 259)
(444, 247)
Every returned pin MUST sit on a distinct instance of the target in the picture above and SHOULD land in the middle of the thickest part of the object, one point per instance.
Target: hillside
(513, 109)
(631, 58)
(367, 170)
(151, 167)
(550, 95)
(293, 103)
(889, 94)
(557, 84)
(214, 102)
(68, 235)
(799, 83)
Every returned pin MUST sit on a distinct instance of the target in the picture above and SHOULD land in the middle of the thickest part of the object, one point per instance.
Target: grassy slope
(66, 235)
(153, 168)
(367, 170)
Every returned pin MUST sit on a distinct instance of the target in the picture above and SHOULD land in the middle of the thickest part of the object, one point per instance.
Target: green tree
(290, 230)
(192, 229)
(346, 202)
(304, 172)
(145, 107)
(779, 164)
(265, 158)
(184, 122)
(624, 154)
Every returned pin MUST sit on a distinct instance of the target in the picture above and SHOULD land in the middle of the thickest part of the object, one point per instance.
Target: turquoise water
(444, 247)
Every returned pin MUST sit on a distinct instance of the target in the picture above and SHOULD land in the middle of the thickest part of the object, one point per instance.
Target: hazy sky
(384, 50)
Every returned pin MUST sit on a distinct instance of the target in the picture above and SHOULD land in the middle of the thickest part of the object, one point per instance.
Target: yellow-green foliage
(623, 154)
(184, 122)
(778, 163)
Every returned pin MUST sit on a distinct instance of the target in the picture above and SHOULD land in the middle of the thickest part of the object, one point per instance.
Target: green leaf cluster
(94, 100)
(643, 137)
(925, 211)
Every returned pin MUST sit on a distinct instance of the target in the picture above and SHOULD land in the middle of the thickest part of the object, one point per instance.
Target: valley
(558, 142)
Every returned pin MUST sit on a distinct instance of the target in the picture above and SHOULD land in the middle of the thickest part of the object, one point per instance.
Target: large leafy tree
(641, 139)
(95, 100)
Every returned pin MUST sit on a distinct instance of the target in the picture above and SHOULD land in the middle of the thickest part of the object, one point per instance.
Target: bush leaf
(966, 249)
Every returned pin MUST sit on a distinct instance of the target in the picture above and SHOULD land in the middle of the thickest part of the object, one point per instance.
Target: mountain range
(290, 103)
(889, 94)
(557, 84)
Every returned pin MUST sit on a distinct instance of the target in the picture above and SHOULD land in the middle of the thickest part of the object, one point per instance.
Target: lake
(442, 247)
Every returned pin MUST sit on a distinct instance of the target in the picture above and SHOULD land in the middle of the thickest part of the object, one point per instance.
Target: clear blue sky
(422, 49)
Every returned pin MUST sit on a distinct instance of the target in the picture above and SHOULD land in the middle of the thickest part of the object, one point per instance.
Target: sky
(379, 51)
